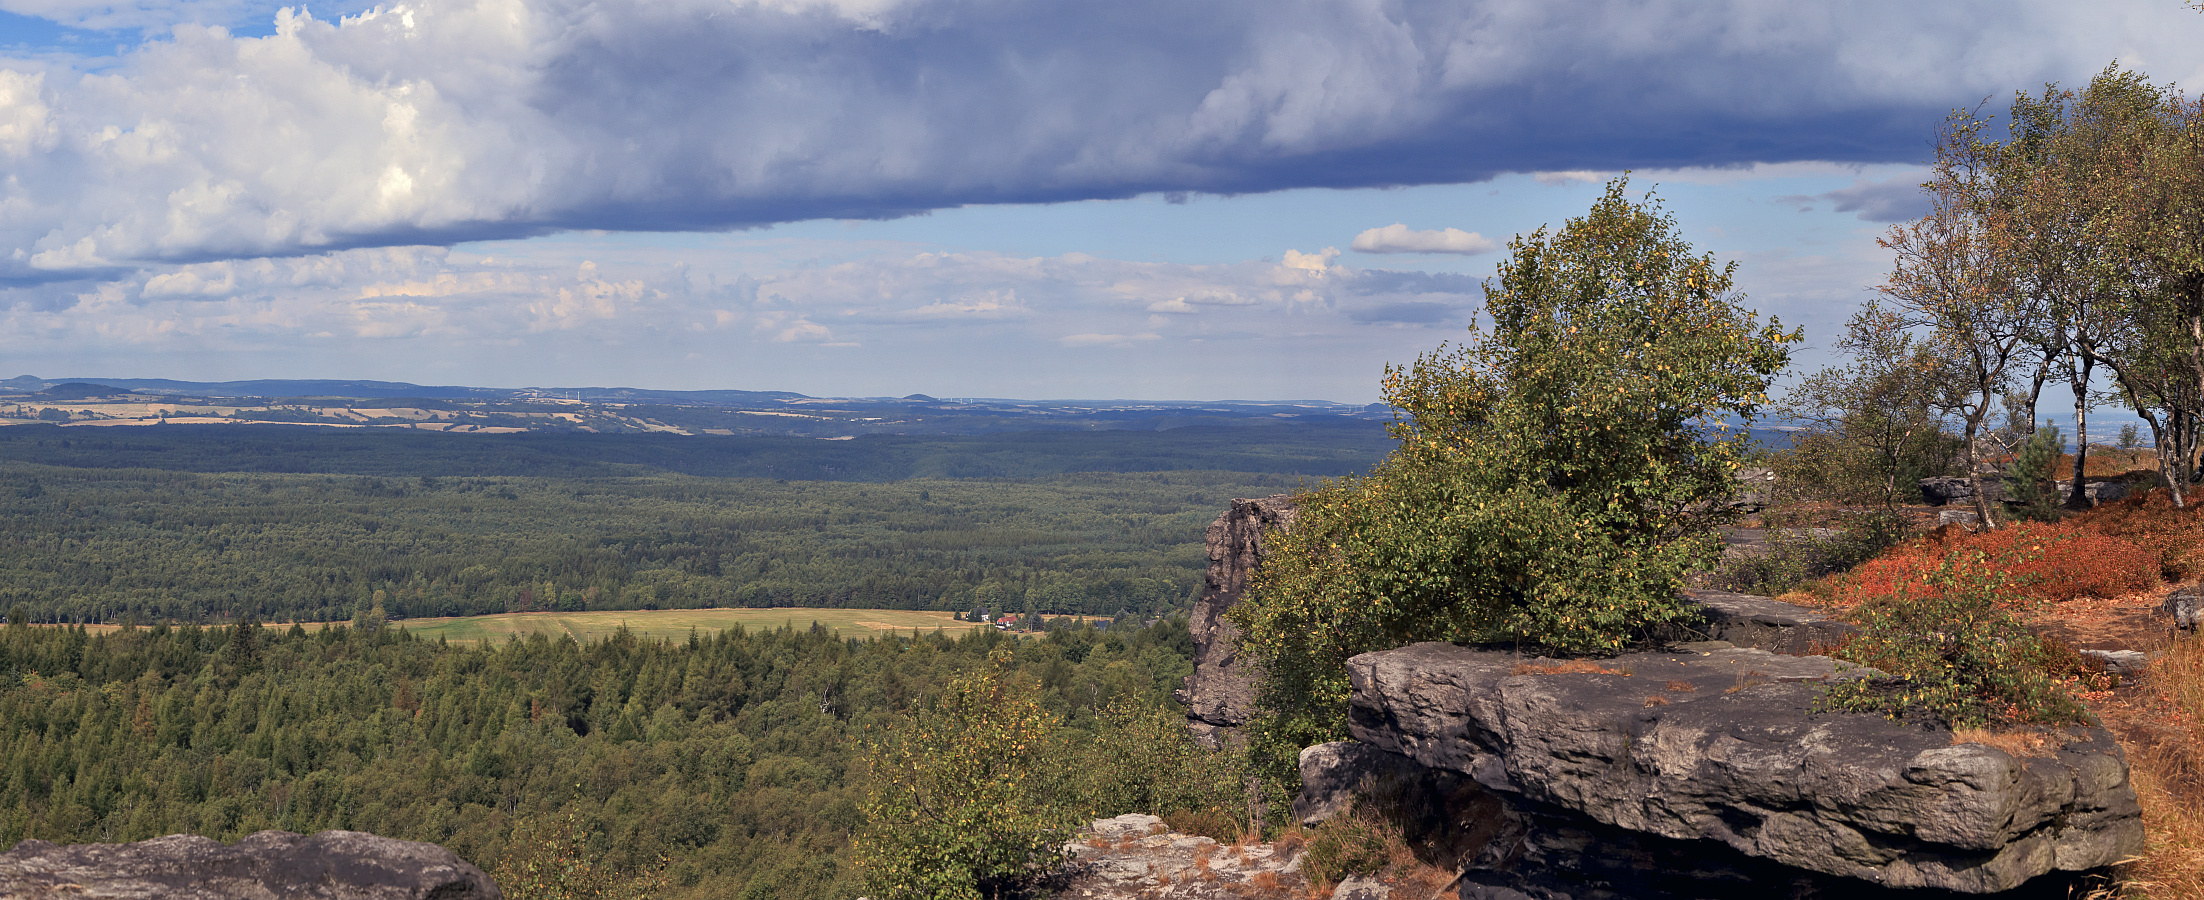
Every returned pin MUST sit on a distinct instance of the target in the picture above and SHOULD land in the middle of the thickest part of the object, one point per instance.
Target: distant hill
(620, 410)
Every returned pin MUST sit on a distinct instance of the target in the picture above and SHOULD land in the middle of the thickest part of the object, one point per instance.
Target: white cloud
(1398, 238)
(444, 121)
(1314, 262)
(1578, 176)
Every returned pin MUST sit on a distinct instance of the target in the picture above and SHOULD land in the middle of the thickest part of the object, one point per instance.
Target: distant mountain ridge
(465, 409)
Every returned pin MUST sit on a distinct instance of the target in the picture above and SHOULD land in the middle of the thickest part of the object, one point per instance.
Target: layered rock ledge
(330, 865)
(1705, 774)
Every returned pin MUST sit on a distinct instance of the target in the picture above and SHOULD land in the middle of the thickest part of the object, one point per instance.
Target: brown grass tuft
(2016, 743)
(1566, 667)
(1656, 700)
(1682, 687)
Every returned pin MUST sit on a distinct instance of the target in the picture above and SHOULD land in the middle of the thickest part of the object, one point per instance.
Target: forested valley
(721, 766)
(116, 545)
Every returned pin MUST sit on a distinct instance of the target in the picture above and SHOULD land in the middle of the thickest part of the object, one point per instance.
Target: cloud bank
(451, 120)
(1398, 238)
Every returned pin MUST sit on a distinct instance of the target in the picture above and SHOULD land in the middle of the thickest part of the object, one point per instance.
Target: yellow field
(676, 623)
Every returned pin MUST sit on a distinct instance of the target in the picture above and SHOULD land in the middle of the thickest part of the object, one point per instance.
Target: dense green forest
(1313, 450)
(114, 545)
(724, 763)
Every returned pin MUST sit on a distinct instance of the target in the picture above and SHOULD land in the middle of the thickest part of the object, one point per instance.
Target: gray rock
(1362, 887)
(1692, 753)
(1220, 694)
(1335, 775)
(1966, 517)
(1943, 490)
(1750, 620)
(330, 865)
(2121, 662)
(2185, 606)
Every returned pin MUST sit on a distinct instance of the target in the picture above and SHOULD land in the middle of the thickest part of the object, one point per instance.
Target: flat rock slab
(1724, 746)
(330, 865)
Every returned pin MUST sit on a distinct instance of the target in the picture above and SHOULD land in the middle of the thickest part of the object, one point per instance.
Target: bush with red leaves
(2151, 521)
(2047, 562)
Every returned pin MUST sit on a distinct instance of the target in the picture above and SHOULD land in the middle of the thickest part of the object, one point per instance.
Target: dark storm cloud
(471, 119)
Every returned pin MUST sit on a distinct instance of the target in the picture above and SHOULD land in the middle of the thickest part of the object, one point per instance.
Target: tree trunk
(2079, 378)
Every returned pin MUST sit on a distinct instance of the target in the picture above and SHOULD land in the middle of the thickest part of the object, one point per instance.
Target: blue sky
(1143, 199)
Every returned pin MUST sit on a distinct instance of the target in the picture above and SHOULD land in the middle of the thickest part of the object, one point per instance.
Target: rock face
(1707, 774)
(331, 865)
(1220, 693)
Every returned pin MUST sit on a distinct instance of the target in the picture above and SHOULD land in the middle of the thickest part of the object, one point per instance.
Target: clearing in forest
(676, 623)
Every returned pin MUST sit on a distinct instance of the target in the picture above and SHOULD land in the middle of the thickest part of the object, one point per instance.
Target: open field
(676, 623)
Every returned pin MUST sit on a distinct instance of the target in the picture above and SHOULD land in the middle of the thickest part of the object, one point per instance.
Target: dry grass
(2016, 743)
(1656, 700)
(1680, 686)
(676, 623)
(1566, 667)
(2164, 737)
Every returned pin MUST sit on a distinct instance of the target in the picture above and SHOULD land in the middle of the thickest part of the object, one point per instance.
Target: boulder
(1942, 490)
(330, 865)
(1750, 620)
(2185, 606)
(1220, 694)
(1710, 774)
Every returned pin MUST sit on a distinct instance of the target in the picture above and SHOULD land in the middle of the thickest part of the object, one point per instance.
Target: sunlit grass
(677, 623)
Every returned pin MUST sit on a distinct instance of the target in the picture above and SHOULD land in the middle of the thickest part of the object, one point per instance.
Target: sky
(1140, 199)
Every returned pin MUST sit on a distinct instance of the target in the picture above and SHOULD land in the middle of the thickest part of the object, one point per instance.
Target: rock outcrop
(1763, 623)
(1709, 774)
(331, 865)
(2184, 606)
(1220, 693)
(1135, 856)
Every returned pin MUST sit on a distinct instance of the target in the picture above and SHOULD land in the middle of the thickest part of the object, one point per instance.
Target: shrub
(2029, 480)
(960, 799)
(1796, 556)
(554, 859)
(2151, 521)
(1141, 760)
(1950, 650)
(2047, 562)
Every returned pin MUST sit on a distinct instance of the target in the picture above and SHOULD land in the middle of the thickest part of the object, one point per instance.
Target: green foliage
(556, 860)
(1142, 760)
(2028, 481)
(96, 545)
(958, 802)
(1871, 429)
(1797, 555)
(1554, 479)
(1952, 652)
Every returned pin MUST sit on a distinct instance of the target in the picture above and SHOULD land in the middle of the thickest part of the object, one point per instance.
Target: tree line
(109, 545)
(2067, 250)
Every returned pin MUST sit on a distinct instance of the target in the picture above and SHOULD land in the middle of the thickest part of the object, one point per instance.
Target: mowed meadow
(679, 623)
